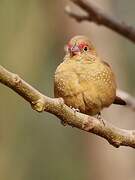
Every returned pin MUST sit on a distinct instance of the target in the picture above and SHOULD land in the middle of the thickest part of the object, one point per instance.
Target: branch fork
(95, 14)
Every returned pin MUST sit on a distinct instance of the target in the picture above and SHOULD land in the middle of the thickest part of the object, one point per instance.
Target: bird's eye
(85, 48)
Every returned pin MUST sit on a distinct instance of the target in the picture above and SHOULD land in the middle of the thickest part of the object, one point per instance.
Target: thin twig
(39, 102)
(76, 16)
(98, 16)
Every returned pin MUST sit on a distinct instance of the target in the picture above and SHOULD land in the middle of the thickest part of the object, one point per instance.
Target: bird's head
(78, 45)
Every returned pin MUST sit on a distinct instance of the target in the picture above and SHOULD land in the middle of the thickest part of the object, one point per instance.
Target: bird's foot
(99, 117)
(74, 109)
(64, 123)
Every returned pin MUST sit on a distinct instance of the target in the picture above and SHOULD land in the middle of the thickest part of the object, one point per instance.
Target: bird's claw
(64, 123)
(74, 109)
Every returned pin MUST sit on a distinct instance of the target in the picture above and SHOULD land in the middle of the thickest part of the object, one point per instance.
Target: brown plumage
(83, 80)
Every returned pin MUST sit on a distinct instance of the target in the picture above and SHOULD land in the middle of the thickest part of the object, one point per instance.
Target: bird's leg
(75, 110)
(99, 117)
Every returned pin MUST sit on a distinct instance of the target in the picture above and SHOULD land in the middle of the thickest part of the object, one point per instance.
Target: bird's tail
(119, 101)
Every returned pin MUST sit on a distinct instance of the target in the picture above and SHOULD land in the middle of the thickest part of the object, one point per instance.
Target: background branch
(98, 16)
(39, 102)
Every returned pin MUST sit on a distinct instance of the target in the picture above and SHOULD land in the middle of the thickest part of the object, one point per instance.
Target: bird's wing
(105, 63)
(117, 100)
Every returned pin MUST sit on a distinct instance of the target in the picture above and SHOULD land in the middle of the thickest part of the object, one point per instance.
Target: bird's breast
(88, 87)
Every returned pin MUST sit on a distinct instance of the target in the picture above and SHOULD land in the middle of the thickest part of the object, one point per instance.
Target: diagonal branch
(98, 16)
(39, 102)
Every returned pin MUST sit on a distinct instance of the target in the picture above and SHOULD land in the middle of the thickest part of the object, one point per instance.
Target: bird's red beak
(74, 50)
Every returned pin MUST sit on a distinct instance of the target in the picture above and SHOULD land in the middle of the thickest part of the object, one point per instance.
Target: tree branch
(98, 16)
(39, 102)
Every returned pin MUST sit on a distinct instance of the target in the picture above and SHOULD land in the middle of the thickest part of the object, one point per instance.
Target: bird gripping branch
(83, 80)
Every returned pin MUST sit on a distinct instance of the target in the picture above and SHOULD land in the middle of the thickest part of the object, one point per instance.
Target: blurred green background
(36, 146)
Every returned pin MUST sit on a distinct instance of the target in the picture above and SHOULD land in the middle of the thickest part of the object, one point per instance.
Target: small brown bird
(83, 80)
